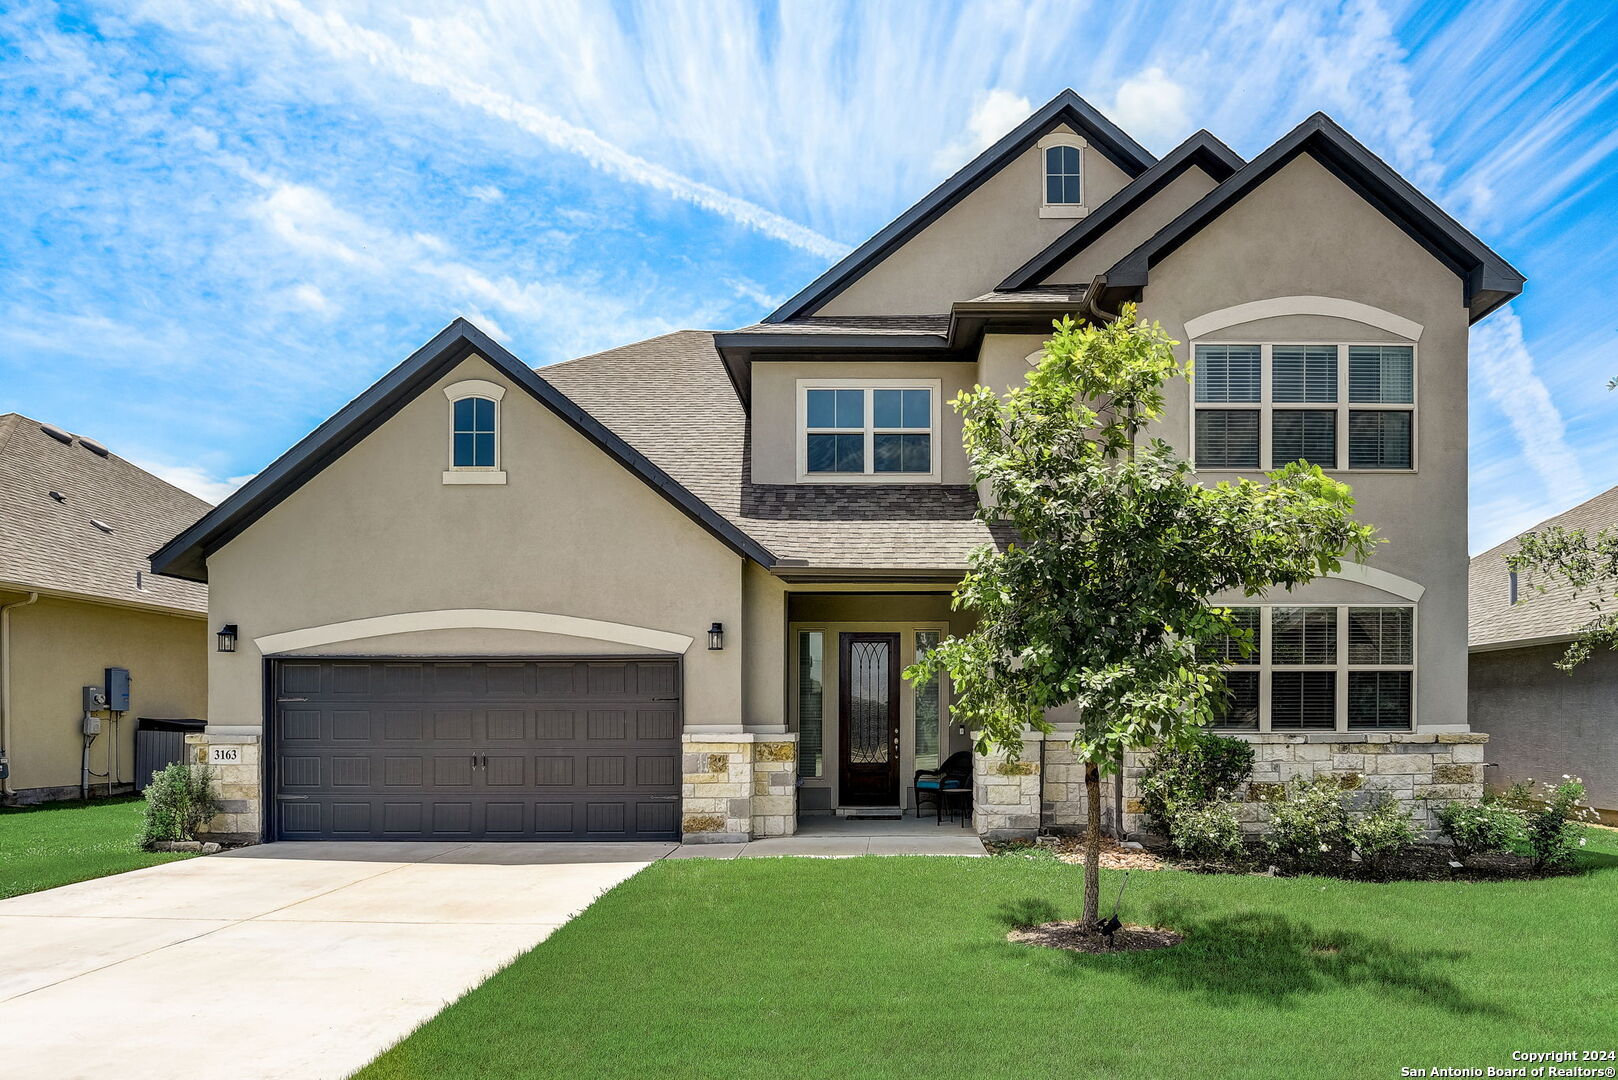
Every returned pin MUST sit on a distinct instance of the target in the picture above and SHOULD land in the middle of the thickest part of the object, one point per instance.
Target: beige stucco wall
(571, 533)
(975, 244)
(775, 412)
(1134, 230)
(1303, 233)
(762, 638)
(59, 646)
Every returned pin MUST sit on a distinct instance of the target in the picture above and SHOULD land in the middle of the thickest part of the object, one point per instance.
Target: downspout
(6, 790)
(1096, 312)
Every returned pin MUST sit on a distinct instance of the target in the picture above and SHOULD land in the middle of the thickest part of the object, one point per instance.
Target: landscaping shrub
(1552, 820)
(1384, 832)
(1307, 822)
(1482, 828)
(1207, 831)
(1204, 769)
(179, 801)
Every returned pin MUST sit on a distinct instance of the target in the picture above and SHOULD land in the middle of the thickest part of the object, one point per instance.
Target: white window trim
(801, 431)
(1266, 407)
(1049, 209)
(474, 474)
(1265, 668)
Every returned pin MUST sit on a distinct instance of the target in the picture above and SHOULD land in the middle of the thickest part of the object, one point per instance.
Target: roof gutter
(5, 684)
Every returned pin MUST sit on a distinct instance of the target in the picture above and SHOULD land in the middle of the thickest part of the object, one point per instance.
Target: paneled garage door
(476, 750)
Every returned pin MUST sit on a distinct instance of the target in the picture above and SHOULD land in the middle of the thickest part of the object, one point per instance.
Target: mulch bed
(1076, 937)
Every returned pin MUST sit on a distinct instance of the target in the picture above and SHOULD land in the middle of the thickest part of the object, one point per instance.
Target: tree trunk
(1092, 844)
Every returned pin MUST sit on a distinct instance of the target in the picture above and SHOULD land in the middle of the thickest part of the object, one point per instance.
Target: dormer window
(474, 436)
(1062, 162)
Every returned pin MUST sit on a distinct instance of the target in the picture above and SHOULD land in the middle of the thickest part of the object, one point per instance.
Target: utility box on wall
(117, 689)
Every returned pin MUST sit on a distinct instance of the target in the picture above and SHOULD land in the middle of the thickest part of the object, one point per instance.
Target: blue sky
(221, 221)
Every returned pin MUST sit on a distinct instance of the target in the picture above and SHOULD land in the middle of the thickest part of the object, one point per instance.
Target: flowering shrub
(1486, 827)
(1307, 822)
(1552, 819)
(1207, 831)
(1384, 832)
(1205, 768)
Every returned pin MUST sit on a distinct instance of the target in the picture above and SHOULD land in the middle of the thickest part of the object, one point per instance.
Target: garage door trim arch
(544, 622)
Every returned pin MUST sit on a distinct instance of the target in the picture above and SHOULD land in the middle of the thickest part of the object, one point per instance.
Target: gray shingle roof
(51, 545)
(670, 399)
(854, 324)
(1036, 294)
(1494, 620)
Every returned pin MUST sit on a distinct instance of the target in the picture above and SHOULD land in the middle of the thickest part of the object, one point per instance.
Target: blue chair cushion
(927, 785)
(954, 783)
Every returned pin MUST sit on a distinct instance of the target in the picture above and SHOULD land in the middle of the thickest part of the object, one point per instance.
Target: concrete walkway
(828, 837)
(290, 960)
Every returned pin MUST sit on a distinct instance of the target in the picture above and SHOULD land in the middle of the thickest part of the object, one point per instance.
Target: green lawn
(898, 967)
(42, 847)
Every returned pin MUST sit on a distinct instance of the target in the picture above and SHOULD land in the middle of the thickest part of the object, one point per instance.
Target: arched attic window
(1062, 175)
(474, 436)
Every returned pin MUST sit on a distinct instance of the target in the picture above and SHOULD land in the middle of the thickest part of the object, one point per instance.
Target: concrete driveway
(289, 960)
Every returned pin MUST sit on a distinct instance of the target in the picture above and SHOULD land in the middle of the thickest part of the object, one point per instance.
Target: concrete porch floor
(827, 836)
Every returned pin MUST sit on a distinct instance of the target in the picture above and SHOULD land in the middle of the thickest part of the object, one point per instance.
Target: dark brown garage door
(477, 750)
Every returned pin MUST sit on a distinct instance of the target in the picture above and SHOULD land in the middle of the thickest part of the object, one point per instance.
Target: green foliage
(1209, 831)
(1588, 565)
(1102, 600)
(179, 801)
(1197, 770)
(1552, 818)
(1307, 822)
(1385, 831)
(1481, 828)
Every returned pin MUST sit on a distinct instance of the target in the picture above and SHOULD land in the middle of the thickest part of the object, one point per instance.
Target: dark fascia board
(969, 322)
(1201, 150)
(186, 555)
(739, 350)
(1489, 280)
(1066, 107)
(800, 574)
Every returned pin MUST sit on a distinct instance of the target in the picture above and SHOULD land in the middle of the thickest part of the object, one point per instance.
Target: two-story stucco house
(667, 590)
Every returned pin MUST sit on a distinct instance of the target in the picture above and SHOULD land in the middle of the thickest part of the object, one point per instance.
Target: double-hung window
(1261, 406)
(1321, 668)
(875, 431)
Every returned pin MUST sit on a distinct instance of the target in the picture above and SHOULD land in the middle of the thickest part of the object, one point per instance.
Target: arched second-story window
(1062, 174)
(474, 442)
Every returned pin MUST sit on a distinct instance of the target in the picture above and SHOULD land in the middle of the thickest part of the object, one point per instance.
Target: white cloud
(341, 38)
(1152, 107)
(196, 480)
(487, 193)
(995, 113)
(1505, 369)
(310, 296)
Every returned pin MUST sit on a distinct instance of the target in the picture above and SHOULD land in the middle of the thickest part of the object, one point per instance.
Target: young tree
(1588, 565)
(1102, 600)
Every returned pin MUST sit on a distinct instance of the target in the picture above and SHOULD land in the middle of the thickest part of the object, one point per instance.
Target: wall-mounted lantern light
(227, 637)
(716, 636)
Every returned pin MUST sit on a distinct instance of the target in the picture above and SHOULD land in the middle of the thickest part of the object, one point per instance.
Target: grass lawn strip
(899, 967)
(54, 844)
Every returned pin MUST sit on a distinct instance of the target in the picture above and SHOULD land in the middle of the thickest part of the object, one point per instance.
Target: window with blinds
(1321, 668)
(811, 702)
(1265, 406)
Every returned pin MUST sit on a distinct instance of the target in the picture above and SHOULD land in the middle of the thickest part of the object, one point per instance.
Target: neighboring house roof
(94, 539)
(1494, 622)
(669, 398)
(1065, 108)
(186, 555)
(1201, 150)
(1490, 280)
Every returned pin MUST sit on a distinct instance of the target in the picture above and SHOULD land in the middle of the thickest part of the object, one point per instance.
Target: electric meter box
(117, 689)
(95, 698)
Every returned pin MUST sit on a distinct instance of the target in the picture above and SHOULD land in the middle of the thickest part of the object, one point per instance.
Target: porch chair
(954, 773)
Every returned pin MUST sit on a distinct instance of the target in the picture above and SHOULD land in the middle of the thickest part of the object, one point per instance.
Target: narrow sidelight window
(811, 701)
(929, 706)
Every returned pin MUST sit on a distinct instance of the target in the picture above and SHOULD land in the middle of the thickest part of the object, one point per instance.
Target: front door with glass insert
(869, 709)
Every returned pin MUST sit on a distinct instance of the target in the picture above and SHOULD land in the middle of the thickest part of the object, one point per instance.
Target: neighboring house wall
(571, 533)
(776, 432)
(1304, 233)
(968, 250)
(59, 646)
(1544, 723)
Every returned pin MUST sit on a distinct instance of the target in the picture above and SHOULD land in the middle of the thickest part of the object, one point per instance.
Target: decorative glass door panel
(869, 715)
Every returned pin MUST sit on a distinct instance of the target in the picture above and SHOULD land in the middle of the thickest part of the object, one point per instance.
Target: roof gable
(1066, 108)
(1489, 280)
(186, 555)
(1201, 151)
